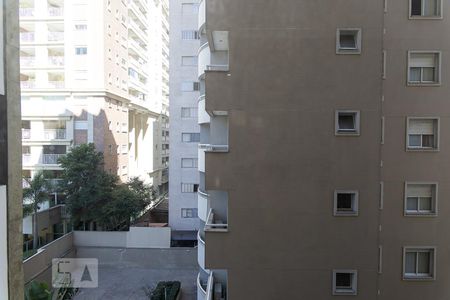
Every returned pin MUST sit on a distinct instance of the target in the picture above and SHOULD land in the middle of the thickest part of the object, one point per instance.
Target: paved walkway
(125, 274)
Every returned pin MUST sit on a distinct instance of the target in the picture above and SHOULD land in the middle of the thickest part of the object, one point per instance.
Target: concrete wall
(137, 237)
(38, 266)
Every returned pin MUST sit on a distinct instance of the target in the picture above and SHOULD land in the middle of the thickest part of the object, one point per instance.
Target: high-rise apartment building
(185, 131)
(95, 72)
(327, 139)
(11, 272)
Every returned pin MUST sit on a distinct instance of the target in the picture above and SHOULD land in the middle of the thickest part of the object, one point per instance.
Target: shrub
(169, 288)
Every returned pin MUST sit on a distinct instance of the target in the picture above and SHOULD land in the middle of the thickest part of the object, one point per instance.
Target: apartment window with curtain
(189, 213)
(423, 134)
(189, 8)
(424, 68)
(190, 137)
(421, 199)
(189, 112)
(190, 35)
(425, 8)
(189, 163)
(419, 263)
(190, 86)
(189, 188)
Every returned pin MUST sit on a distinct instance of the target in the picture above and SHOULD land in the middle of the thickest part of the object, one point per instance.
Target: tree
(86, 185)
(34, 194)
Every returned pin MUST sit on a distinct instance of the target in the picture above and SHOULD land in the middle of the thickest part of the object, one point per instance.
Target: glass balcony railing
(56, 84)
(27, 37)
(26, 11)
(54, 134)
(55, 11)
(27, 61)
(56, 60)
(29, 84)
(55, 36)
(51, 159)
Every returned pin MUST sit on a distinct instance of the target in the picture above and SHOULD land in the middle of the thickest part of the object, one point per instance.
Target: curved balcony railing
(201, 251)
(204, 59)
(203, 116)
(203, 205)
(202, 16)
(201, 289)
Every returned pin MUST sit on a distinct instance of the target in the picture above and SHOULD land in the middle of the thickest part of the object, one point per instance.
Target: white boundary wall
(137, 237)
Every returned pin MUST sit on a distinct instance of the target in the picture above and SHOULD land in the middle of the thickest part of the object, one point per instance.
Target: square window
(421, 199)
(422, 133)
(348, 41)
(425, 9)
(345, 203)
(345, 282)
(347, 123)
(419, 263)
(424, 67)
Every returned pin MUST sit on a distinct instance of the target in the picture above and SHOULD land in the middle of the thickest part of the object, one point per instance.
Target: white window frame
(440, 15)
(78, 51)
(358, 40)
(434, 200)
(355, 204)
(419, 276)
(189, 187)
(347, 292)
(192, 215)
(343, 132)
(190, 35)
(189, 112)
(194, 162)
(194, 57)
(436, 121)
(438, 66)
(190, 139)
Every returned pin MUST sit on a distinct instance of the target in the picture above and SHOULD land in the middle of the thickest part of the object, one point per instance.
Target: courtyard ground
(125, 274)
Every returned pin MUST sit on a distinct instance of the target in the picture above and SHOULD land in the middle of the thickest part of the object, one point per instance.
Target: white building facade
(185, 131)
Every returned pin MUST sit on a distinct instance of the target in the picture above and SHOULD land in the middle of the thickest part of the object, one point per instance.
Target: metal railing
(56, 60)
(201, 286)
(26, 11)
(55, 11)
(27, 36)
(55, 36)
(222, 68)
(209, 287)
(211, 224)
(57, 84)
(51, 159)
(54, 134)
(26, 61)
(28, 84)
(26, 134)
(213, 148)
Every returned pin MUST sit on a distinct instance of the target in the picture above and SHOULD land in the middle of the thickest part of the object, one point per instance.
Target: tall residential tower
(185, 131)
(327, 141)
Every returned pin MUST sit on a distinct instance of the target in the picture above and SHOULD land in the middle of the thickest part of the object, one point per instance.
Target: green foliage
(37, 291)
(41, 291)
(36, 192)
(94, 195)
(166, 290)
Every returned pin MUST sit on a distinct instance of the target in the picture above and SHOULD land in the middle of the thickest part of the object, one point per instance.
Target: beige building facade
(324, 170)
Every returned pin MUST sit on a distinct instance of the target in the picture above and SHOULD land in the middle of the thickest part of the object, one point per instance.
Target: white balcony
(44, 135)
(202, 16)
(54, 134)
(27, 61)
(203, 205)
(203, 116)
(26, 11)
(214, 224)
(55, 36)
(51, 159)
(211, 61)
(138, 12)
(27, 37)
(26, 159)
(137, 48)
(137, 30)
(201, 251)
(57, 61)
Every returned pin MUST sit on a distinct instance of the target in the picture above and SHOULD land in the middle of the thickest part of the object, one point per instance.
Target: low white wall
(137, 237)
